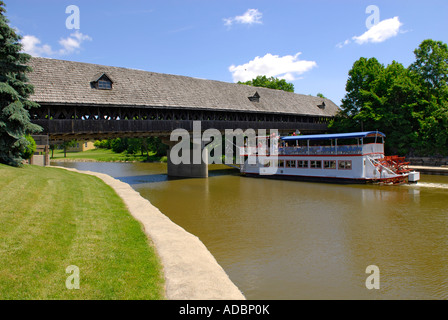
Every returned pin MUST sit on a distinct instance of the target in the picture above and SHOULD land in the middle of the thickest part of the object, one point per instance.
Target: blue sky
(312, 44)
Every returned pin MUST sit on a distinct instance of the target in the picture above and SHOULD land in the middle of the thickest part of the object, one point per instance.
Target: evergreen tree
(15, 121)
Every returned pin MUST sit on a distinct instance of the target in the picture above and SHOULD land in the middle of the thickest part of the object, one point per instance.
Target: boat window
(290, 164)
(330, 164)
(315, 164)
(281, 163)
(302, 164)
(345, 165)
(267, 163)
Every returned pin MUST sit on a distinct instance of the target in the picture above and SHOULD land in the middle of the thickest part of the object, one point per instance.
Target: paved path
(191, 272)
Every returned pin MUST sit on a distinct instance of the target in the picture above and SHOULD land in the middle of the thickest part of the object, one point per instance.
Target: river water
(297, 240)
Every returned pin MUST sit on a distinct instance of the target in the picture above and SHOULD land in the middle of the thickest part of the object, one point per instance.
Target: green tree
(134, 145)
(103, 144)
(430, 71)
(155, 145)
(118, 145)
(431, 67)
(321, 95)
(15, 121)
(381, 98)
(67, 144)
(271, 82)
(30, 149)
(355, 113)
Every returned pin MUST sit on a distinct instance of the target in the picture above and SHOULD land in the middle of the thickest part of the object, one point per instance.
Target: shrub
(30, 148)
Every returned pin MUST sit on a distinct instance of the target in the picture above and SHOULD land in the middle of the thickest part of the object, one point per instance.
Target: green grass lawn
(105, 155)
(99, 155)
(50, 219)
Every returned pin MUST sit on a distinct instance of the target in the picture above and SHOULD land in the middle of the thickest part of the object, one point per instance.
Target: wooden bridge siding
(98, 129)
(67, 122)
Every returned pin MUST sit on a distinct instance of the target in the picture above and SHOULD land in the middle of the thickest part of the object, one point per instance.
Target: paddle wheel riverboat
(356, 157)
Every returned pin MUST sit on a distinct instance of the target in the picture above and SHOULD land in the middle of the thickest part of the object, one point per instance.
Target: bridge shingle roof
(68, 82)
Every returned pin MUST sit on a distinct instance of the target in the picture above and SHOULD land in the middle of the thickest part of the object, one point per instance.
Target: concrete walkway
(191, 272)
(430, 170)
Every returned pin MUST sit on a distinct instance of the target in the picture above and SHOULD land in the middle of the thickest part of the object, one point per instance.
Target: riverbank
(51, 219)
(430, 170)
(191, 272)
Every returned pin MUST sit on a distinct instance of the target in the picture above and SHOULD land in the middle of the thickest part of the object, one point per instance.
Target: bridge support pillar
(187, 170)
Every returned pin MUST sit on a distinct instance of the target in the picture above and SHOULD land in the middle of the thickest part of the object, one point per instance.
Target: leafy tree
(103, 144)
(320, 95)
(271, 82)
(356, 105)
(118, 145)
(430, 71)
(52, 148)
(431, 67)
(156, 145)
(30, 149)
(409, 104)
(15, 121)
(381, 98)
(134, 145)
(67, 144)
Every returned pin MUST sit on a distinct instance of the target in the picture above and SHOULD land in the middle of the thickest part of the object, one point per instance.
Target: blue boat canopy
(351, 135)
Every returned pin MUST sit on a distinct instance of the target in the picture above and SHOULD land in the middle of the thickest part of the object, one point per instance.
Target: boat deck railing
(333, 150)
(371, 148)
(319, 150)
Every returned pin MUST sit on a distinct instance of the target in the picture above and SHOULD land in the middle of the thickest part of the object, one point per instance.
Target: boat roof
(366, 134)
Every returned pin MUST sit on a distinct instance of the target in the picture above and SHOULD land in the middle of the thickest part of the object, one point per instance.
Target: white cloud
(251, 16)
(380, 32)
(73, 43)
(341, 44)
(32, 45)
(287, 67)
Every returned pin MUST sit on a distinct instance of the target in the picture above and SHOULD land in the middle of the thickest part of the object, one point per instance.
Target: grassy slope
(50, 219)
(98, 155)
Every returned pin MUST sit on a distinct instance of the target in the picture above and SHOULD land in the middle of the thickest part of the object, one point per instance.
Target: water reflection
(296, 240)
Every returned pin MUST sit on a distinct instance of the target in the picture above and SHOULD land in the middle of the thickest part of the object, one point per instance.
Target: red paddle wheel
(396, 164)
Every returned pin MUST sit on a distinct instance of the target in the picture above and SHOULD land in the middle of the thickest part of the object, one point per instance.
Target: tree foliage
(15, 121)
(30, 149)
(134, 145)
(408, 104)
(271, 82)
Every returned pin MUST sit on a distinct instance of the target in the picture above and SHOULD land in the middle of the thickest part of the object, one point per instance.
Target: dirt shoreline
(191, 271)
